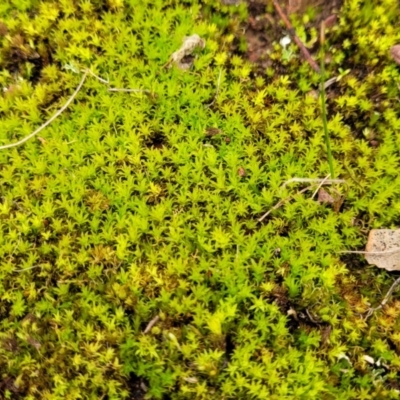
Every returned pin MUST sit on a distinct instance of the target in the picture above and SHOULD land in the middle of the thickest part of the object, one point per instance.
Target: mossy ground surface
(132, 206)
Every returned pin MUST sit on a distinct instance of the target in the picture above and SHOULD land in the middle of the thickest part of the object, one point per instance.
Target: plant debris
(325, 197)
(183, 58)
(395, 53)
(383, 249)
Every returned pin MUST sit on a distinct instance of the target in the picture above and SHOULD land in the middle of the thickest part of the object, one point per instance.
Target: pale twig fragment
(26, 269)
(329, 82)
(320, 185)
(102, 80)
(49, 121)
(189, 45)
(65, 106)
(281, 202)
(312, 180)
(190, 379)
(385, 299)
(151, 324)
(129, 90)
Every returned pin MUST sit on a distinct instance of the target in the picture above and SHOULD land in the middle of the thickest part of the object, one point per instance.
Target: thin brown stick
(292, 32)
(385, 299)
(49, 121)
(151, 324)
(281, 202)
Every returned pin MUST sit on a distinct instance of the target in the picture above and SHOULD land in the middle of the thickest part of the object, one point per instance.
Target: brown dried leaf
(325, 197)
(325, 334)
(213, 131)
(241, 171)
(3, 29)
(35, 343)
(386, 242)
(395, 53)
(330, 21)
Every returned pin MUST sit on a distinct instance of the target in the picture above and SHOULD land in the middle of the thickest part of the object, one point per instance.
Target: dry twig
(151, 324)
(281, 202)
(320, 185)
(49, 121)
(26, 269)
(385, 299)
(129, 90)
(102, 80)
(68, 102)
(312, 180)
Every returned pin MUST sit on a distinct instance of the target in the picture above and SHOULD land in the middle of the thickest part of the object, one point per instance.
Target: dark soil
(263, 28)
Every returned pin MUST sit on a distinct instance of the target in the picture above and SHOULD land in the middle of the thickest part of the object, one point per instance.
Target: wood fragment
(49, 121)
(385, 299)
(320, 185)
(151, 324)
(65, 106)
(128, 90)
(312, 180)
(281, 202)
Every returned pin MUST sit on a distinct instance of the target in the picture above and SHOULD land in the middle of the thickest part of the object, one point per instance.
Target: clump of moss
(132, 207)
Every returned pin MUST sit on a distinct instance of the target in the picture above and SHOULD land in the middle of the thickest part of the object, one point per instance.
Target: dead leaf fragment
(383, 249)
(395, 53)
(241, 172)
(325, 334)
(33, 342)
(3, 29)
(325, 197)
(182, 57)
(330, 21)
(213, 131)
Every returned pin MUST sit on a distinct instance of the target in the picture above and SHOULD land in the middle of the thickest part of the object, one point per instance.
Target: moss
(133, 206)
